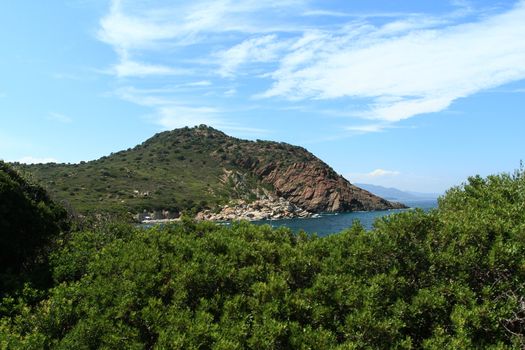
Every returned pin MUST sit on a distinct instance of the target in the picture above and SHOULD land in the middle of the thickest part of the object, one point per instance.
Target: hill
(394, 194)
(198, 168)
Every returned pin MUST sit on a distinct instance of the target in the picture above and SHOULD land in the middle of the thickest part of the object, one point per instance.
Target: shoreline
(260, 209)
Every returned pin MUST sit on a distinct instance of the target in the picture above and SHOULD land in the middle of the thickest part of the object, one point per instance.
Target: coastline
(273, 210)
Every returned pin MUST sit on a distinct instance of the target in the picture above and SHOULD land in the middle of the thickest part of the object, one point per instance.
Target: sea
(330, 223)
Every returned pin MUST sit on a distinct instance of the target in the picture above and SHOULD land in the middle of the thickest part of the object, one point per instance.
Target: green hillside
(173, 170)
(196, 168)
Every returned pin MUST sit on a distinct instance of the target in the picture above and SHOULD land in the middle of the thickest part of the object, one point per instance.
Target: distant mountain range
(200, 168)
(394, 194)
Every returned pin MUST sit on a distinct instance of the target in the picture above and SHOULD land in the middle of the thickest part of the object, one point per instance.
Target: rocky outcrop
(261, 209)
(314, 186)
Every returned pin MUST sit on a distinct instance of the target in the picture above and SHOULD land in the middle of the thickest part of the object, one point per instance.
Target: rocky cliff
(315, 187)
(310, 183)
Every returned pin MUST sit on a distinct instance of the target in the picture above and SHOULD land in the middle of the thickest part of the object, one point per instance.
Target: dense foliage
(175, 170)
(453, 278)
(29, 220)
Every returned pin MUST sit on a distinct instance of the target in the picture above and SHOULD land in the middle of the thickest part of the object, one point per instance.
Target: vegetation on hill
(197, 168)
(453, 278)
(29, 220)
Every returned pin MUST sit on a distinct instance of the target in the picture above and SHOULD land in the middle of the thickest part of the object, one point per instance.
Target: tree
(29, 220)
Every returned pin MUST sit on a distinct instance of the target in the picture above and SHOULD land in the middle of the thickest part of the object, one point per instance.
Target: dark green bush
(29, 220)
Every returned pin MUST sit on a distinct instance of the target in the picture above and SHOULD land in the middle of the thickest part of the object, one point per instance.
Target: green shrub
(452, 278)
(29, 220)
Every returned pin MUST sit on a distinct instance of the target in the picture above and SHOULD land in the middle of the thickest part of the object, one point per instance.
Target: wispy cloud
(373, 176)
(367, 128)
(516, 91)
(230, 92)
(360, 15)
(383, 172)
(136, 25)
(420, 70)
(260, 49)
(141, 32)
(133, 28)
(324, 13)
(169, 112)
(386, 70)
(59, 117)
(128, 68)
(200, 83)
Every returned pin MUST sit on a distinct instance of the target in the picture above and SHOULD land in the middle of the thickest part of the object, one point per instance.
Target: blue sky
(411, 94)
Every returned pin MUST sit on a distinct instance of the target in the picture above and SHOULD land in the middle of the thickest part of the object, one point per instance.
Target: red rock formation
(315, 187)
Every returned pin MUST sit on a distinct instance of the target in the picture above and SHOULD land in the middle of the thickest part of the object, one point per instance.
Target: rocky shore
(261, 209)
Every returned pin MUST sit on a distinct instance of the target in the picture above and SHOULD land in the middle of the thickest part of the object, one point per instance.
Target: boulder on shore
(261, 209)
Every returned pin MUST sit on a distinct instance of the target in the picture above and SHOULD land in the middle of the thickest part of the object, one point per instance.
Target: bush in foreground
(452, 278)
(29, 221)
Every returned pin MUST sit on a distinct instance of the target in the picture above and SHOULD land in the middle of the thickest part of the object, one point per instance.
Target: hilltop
(201, 168)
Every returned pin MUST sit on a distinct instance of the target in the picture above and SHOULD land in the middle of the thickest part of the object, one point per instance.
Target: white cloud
(59, 117)
(411, 64)
(200, 83)
(259, 49)
(143, 97)
(135, 25)
(230, 92)
(153, 26)
(324, 13)
(127, 31)
(367, 128)
(361, 15)
(37, 160)
(420, 68)
(464, 6)
(373, 176)
(382, 172)
(128, 68)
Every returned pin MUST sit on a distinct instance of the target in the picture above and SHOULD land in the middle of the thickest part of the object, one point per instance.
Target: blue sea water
(327, 224)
